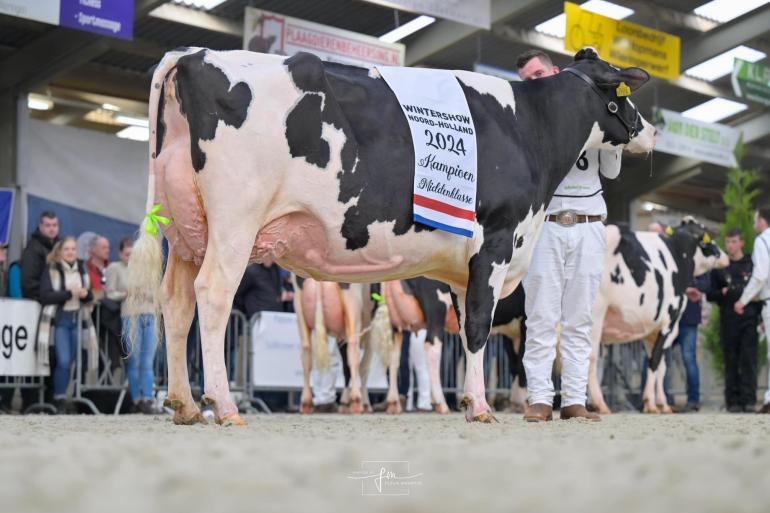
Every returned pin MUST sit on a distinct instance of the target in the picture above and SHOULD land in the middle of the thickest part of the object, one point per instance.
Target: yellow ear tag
(623, 90)
(706, 238)
(669, 231)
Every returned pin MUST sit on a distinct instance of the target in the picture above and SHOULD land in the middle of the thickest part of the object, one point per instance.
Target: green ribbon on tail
(154, 220)
(380, 300)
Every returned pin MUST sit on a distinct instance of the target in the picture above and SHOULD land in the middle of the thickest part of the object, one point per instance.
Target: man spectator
(3, 270)
(33, 259)
(98, 260)
(737, 333)
(758, 287)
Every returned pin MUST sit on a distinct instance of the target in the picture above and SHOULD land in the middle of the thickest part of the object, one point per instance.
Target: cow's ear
(633, 77)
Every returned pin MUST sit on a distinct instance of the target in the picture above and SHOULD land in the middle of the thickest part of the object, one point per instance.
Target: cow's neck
(682, 247)
(557, 116)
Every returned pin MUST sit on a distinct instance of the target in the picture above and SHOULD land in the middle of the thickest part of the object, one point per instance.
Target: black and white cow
(310, 164)
(642, 296)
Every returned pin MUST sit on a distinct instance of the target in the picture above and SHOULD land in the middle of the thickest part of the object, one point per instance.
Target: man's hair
(527, 56)
(48, 214)
(94, 240)
(734, 232)
(764, 213)
(128, 242)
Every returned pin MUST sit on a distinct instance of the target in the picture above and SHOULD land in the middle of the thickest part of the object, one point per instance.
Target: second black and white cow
(311, 164)
(642, 297)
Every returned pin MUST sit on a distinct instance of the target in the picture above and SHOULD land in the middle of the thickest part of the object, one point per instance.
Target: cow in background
(341, 310)
(642, 296)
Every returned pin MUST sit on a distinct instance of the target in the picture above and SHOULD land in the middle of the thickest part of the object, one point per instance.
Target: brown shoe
(764, 409)
(578, 411)
(538, 413)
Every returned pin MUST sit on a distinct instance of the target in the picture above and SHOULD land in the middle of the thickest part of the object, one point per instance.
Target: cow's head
(618, 118)
(708, 255)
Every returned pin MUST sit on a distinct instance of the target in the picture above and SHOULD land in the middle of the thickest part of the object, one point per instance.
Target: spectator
(141, 357)
(64, 289)
(33, 259)
(261, 290)
(98, 259)
(687, 340)
(737, 333)
(656, 227)
(758, 287)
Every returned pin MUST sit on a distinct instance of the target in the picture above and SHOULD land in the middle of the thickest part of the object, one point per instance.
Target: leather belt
(568, 218)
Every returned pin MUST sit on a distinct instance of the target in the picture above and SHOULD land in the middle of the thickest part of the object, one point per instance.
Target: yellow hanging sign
(623, 43)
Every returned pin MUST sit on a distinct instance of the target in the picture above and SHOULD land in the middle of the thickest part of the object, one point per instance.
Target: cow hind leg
(215, 288)
(306, 399)
(178, 306)
(648, 395)
(351, 311)
(660, 394)
(392, 399)
(594, 385)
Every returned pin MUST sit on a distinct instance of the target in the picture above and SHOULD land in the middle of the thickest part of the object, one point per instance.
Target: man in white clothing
(758, 287)
(564, 276)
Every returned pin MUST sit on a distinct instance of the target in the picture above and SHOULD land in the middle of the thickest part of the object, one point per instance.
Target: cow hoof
(232, 420)
(441, 408)
(394, 408)
(184, 416)
(368, 408)
(485, 418)
(306, 408)
(650, 408)
(356, 408)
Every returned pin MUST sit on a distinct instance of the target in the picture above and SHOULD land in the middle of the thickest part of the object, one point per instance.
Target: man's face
(760, 224)
(101, 249)
(733, 246)
(3, 254)
(49, 227)
(535, 69)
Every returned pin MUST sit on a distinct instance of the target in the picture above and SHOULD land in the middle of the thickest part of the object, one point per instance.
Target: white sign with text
(18, 333)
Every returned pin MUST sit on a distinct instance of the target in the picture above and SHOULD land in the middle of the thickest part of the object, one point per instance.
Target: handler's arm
(609, 163)
(761, 260)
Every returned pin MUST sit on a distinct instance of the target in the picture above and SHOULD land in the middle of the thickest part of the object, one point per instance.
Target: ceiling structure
(82, 72)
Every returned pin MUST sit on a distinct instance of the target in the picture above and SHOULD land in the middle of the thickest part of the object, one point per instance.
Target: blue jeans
(141, 357)
(66, 346)
(688, 343)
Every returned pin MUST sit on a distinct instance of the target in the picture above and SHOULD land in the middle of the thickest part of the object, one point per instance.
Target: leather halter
(612, 106)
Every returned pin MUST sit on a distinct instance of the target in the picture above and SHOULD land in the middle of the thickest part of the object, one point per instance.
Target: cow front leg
(661, 401)
(178, 305)
(392, 399)
(306, 354)
(653, 360)
(433, 357)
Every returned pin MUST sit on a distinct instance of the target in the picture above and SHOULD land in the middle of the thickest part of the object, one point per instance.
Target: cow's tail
(145, 267)
(381, 334)
(321, 355)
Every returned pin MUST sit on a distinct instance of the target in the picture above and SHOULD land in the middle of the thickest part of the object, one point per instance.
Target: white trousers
(561, 287)
(766, 321)
(418, 365)
(323, 381)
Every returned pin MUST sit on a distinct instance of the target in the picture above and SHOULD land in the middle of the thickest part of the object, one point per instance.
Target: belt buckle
(567, 218)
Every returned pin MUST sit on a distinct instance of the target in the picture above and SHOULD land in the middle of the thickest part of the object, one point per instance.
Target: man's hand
(287, 296)
(739, 308)
(724, 291)
(693, 294)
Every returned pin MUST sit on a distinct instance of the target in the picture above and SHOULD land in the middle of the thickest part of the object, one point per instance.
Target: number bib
(444, 140)
(583, 180)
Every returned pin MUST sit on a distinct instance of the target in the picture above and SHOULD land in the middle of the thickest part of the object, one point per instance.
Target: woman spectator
(141, 357)
(64, 290)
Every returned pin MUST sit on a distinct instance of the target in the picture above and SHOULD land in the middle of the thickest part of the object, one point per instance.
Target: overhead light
(201, 4)
(722, 64)
(135, 133)
(39, 102)
(714, 110)
(406, 29)
(557, 26)
(130, 120)
(109, 106)
(726, 10)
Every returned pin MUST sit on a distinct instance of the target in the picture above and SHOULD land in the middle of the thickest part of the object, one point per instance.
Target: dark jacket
(33, 263)
(693, 315)
(49, 296)
(260, 290)
(734, 278)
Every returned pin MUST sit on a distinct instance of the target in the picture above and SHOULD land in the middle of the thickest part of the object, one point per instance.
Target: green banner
(751, 81)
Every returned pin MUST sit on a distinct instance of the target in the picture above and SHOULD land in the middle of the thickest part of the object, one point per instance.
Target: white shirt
(581, 189)
(759, 285)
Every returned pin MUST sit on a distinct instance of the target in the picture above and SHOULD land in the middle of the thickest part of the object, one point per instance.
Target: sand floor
(707, 462)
